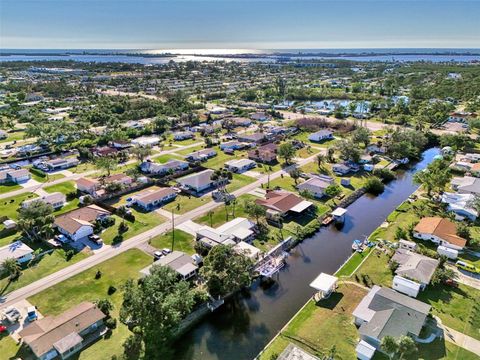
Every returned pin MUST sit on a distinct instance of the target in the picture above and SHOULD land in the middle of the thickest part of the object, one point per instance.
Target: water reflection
(245, 324)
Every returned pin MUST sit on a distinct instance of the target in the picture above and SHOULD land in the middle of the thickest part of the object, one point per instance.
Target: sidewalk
(462, 340)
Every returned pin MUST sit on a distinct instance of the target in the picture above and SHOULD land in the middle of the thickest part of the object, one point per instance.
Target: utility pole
(173, 230)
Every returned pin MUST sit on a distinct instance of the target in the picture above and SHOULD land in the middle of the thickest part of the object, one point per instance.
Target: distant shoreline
(254, 54)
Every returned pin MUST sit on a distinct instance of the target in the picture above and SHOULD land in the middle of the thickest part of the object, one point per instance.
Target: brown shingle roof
(442, 228)
(280, 200)
(44, 333)
(74, 220)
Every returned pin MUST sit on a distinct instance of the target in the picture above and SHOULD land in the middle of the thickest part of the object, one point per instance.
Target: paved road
(466, 278)
(107, 252)
(33, 188)
(462, 340)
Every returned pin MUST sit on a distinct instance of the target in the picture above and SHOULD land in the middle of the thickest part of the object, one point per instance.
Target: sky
(234, 24)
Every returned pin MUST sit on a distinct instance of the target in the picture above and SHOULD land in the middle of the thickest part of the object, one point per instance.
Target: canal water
(241, 328)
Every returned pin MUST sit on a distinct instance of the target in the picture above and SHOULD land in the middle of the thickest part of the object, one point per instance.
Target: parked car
(467, 267)
(62, 238)
(166, 251)
(3, 329)
(157, 254)
(32, 313)
(96, 239)
(451, 282)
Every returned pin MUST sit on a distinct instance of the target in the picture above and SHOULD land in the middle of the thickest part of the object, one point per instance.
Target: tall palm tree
(11, 267)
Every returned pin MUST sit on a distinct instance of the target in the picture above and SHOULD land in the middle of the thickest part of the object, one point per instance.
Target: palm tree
(11, 267)
(390, 346)
(320, 160)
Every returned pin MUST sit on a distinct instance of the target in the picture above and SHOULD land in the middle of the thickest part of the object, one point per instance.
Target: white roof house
(197, 181)
(240, 165)
(146, 141)
(247, 249)
(460, 204)
(238, 229)
(16, 250)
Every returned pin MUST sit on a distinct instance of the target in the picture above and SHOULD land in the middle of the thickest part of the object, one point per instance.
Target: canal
(246, 323)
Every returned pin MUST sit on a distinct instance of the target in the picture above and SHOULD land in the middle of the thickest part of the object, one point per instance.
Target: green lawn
(218, 216)
(5, 188)
(143, 222)
(375, 269)
(162, 159)
(13, 136)
(48, 264)
(317, 327)
(84, 287)
(183, 241)
(238, 181)
(189, 150)
(65, 187)
(46, 178)
(458, 308)
(183, 203)
(352, 263)
(9, 206)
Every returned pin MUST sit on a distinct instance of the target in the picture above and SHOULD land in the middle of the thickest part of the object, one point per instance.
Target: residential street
(107, 251)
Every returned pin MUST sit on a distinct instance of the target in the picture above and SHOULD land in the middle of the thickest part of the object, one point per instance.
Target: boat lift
(325, 285)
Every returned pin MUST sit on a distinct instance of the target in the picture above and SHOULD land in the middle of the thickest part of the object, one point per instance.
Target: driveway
(466, 278)
(14, 329)
(190, 227)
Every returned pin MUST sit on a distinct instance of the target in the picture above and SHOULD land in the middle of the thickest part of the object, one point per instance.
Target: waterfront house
(178, 261)
(197, 182)
(60, 164)
(17, 250)
(230, 233)
(386, 312)
(266, 154)
(470, 157)
(281, 203)
(120, 144)
(232, 145)
(341, 169)
(104, 151)
(413, 266)
(151, 198)
(440, 231)
(460, 204)
(466, 185)
(240, 165)
(56, 199)
(63, 335)
(201, 155)
(321, 135)
(78, 224)
(315, 186)
(87, 185)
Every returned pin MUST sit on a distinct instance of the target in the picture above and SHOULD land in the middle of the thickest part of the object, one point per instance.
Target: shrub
(374, 186)
(98, 274)
(38, 172)
(111, 323)
(69, 254)
(111, 290)
(123, 227)
(385, 174)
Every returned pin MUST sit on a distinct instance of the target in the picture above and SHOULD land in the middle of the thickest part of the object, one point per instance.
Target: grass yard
(317, 327)
(375, 270)
(65, 187)
(218, 216)
(189, 150)
(352, 263)
(46, 178)
(238, 181)
(183, 241)
(5, 188)
(9, 206)
(83, 167)
(48, 264)
(183, 203)
(458, 308)
(441, 349)
(162, 159)
(84, 287)
(143, 222)
(307, 152)
(13, 136)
